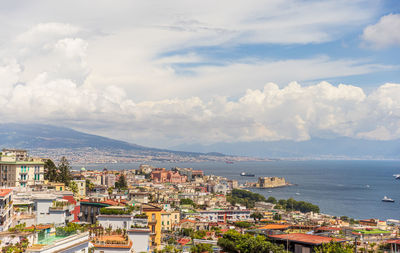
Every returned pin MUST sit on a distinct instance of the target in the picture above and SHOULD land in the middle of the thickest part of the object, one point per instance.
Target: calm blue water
(337, 187)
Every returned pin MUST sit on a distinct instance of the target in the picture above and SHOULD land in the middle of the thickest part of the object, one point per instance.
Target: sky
(165, 73)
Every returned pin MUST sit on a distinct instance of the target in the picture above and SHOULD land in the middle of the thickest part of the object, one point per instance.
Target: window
(153, 217)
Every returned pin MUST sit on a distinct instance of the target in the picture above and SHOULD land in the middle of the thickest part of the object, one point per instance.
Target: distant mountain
(315, 148)
(32, 136)
(39, 136)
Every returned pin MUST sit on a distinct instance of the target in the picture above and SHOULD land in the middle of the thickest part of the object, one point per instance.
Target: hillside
(35, 136)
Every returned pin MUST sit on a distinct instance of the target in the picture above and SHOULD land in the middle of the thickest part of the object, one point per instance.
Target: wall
(122, 222)
(140, 241)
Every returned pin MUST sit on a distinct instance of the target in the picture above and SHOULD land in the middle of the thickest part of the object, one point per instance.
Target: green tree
(200, 248)
(73, 187)
(277, 216)
(186, 232)
(110, 190)
(256, 216)
(234, 242)
(121, 183)
(170, 249)
(334, 247)
(187, 202)
(89, 185)
(272, 200)
(199, 234)
(244, 197)
(50, 171)
(243, 224)
(64, 169)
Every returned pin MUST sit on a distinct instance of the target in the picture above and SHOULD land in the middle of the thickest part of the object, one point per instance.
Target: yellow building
(57, 186)
(81, 188)
(153, 213)
(268, 215)
(169, 220)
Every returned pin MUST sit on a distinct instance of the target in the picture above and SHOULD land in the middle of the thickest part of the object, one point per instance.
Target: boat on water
(229, 162)
(297, 193)
(386, 199)
(244, 174)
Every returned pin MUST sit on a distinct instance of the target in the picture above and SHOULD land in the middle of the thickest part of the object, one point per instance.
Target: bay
(341, 188)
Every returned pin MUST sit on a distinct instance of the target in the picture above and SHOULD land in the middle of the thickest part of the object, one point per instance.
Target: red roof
(275, 226)
(186, 220)
(184, 241)
(110, 202)
(5, 192)
(328, 229)
(395, 241)
(39, 227)
(70, 199)
(306, 238)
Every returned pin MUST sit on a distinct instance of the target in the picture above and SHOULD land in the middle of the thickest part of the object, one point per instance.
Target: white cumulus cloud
(385, 33)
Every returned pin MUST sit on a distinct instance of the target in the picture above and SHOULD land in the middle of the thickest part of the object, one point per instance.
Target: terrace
(374, 231)
(112, 241)
(61, 205)
(115, 210)
(56, 242)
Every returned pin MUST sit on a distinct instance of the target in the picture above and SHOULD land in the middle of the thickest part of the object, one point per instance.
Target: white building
(6, 209)
(50, 210)
(71, 244)
(225, 215)
(121, 221)
(140, 239)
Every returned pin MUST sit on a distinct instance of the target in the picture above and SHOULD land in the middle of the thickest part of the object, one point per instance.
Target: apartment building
(169, 220)
(153, 213)
(17, 169)
(81, 184)
(52, 210)
(225, 215)
(6, 209)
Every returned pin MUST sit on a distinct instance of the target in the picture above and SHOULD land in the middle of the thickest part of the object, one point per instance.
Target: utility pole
(355, 245)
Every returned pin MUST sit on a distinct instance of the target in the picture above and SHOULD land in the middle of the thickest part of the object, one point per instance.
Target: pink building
(160, 175)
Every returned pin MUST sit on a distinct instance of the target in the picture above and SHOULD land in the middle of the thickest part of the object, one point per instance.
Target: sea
(350, 188)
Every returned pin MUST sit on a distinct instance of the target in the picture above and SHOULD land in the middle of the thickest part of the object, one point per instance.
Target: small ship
(244, 174)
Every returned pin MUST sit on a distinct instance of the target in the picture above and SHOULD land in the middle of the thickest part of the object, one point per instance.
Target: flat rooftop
(306, 238)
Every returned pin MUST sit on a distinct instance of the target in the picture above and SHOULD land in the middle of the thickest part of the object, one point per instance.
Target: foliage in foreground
(334, 247)
(203, 247)
(234, 242)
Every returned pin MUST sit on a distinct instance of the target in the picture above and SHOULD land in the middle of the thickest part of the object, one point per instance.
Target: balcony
(154, 222)
(112, 241)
